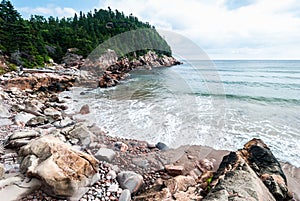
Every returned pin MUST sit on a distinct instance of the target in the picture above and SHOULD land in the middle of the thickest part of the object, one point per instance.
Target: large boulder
(64, 171)
(252, 173)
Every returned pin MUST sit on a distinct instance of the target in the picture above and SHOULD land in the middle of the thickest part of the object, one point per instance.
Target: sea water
(222, 104)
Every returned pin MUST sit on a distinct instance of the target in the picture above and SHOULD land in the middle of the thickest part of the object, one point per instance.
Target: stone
(121, 146)
(184, 182)
(4, 113)
(112, 174)
(140, 162)
(34, 105)
(130, 180)
(174, 170)
(113, 188)
(236, 179)
(239, 185)
(125, 195)
(64, 171)
(162, 146)
(53, 113)
(21, 138)
(15, 187)
(37, 121)
(82, 133)
(22, 118)
(264, 163)
(63, 123)
(24, 134)
(2, 170)
(85, 109)
(104, 154)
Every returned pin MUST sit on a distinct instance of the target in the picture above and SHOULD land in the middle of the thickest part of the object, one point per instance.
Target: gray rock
(24, 134)
(125, 195)
(238, 185)
(23, 118)
(37, 121)
(53, 113)
(104, 154)
(113, 188)
(63, 123)
(142, 163)
(4, 113)
(162, 146)
(2, 170)
(82, 133)
(130, 180)
(112, 174)
(15, 187)
(34, 105)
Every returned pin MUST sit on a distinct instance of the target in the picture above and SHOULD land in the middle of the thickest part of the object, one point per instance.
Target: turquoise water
(222, 104)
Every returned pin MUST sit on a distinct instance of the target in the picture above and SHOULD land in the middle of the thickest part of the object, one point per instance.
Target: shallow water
(221, 104)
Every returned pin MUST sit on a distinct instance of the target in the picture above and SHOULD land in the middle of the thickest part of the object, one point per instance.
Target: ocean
(222, 104)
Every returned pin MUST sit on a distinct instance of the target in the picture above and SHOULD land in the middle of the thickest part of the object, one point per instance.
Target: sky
(224, 29)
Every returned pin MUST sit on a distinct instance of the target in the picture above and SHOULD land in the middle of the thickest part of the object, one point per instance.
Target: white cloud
(49, 10)
(258, 29)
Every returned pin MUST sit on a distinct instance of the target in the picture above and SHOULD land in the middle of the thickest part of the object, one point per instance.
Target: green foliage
(38, 38)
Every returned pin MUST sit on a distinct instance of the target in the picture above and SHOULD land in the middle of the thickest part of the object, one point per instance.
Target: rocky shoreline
(46, 154)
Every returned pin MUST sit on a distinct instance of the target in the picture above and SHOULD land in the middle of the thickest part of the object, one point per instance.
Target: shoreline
(47, 117)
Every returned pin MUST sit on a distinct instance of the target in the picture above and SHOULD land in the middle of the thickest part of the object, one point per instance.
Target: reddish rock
(174, 170)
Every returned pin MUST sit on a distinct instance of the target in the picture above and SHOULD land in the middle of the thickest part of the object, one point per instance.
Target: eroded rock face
(63, 171)
(253, 173)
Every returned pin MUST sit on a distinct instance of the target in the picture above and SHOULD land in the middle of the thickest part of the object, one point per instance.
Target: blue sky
(224, 29)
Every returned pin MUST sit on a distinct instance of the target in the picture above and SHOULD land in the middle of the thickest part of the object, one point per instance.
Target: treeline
(35, 41)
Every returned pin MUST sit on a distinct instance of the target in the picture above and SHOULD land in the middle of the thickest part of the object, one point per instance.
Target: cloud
(49, 10)
(251, 29)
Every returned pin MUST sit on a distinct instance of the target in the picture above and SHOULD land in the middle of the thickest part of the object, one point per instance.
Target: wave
(252, 98)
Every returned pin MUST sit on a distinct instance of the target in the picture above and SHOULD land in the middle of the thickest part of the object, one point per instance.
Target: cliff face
(119, 71)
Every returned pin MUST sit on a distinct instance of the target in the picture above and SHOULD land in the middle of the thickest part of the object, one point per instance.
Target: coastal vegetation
(35, 41)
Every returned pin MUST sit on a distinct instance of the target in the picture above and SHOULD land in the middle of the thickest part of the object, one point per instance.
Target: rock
(174, 170)
(121, 146)
(125, 195)
(112, 174)
(24, 134)
(34, 105)
(37, 121)
(162, 146)
(130, 180)
(267, 167)
(37, 80)
(85, 109)
(21, 138)
(251, 172)
(56, 115)
(22, 118)
(63, 123)
(82, 133)
(184, 182)
(140, 162)
(2, 170)
(113, 188)
(15, 187)
(104, 154)
(4, 113)
(64, 171)
(239, 185)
